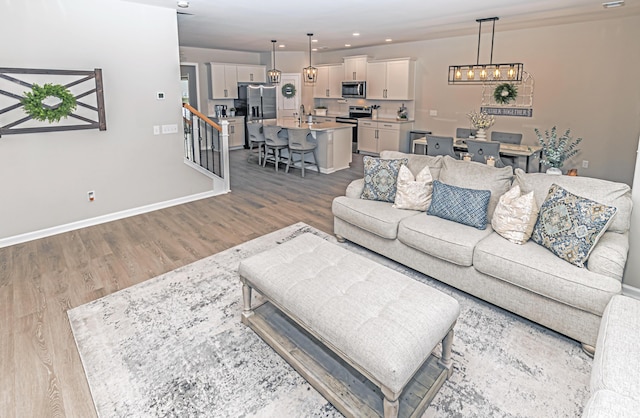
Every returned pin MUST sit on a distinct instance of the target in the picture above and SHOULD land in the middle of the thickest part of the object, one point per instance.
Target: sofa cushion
(441, 238)
(515, 215)
(413, 192)
(533, 267)
(477, 176)
(417, 162)
(457, 204)
(608, 404)
(616, 363)
(380, 178)
(610, 193)
(379, 218)
(570, 226)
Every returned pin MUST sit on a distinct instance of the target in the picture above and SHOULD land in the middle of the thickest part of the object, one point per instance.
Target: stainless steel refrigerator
(256, 101)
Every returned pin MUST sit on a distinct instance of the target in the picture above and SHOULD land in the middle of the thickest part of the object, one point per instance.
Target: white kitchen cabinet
(223, 81)
(323, 119)
(236, 132)
(355, 68)
(377, 136)
(329, 82)
(391, 80)
(252, 73)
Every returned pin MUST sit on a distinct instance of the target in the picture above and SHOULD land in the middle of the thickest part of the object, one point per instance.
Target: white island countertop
(324, 126)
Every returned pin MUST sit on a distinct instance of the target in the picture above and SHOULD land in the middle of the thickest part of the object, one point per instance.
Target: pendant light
(511, 72)
(310, 73)
(273, 74)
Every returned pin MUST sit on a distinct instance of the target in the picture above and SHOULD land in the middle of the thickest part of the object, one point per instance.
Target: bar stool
(301, 142)
(274, 142)
(256, 137)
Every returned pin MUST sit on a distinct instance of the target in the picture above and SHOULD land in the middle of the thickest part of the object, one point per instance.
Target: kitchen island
(334, 143)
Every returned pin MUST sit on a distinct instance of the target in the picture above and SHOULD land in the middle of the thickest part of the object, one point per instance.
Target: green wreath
(505, 93)
(289, 90)
(34, 107)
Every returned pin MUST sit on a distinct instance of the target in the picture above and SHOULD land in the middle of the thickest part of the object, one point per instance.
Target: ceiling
(250, 25)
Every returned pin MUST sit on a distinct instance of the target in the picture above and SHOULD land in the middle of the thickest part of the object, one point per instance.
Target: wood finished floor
(40, 370)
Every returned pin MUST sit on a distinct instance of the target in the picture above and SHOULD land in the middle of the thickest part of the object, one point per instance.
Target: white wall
(44, 177)
(584, 80)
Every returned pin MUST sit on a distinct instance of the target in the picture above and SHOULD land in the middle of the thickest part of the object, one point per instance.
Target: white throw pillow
(515, 216)
(413, 193)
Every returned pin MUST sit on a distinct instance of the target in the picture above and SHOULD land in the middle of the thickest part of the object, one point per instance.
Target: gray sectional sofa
(528, 279)
(615, 377)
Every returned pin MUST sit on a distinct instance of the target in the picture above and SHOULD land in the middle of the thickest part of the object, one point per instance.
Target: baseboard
(47, 232)
(634, 292)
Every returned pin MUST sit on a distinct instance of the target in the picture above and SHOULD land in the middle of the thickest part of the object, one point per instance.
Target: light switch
(169, 129)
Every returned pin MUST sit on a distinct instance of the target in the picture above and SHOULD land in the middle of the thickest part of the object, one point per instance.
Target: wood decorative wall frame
(86, 87)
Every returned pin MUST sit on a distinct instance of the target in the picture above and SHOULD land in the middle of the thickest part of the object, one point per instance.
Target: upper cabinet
(391, 80)
(223, 81)
(252, 73)
(329, 82)
(355, 68)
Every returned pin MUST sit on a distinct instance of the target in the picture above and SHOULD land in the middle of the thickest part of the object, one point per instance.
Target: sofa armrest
(609, 256)
(355, 188)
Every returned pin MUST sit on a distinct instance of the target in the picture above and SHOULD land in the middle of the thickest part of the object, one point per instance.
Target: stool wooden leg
(445, 359)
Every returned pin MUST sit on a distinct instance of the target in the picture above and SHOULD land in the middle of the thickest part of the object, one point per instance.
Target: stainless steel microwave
(357, 89)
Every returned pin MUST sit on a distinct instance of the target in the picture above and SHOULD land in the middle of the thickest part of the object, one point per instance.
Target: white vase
(481, 135)
(554, 171)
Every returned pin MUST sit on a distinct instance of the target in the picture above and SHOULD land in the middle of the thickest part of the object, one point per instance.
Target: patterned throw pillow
(515, 215)
(570, 226)
(380, 177)
(413, 193)
(457, 204)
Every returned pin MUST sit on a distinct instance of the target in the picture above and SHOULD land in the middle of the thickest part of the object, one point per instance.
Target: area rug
(174, 346)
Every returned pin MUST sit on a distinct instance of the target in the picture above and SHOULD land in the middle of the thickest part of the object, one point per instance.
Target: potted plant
(481, 121)
(321, 110)
(557, 150)
(232, 112)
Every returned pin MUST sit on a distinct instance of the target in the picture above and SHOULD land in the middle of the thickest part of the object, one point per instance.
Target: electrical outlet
(91, 196)
(433, 113)
(156, 129)
(585, 164)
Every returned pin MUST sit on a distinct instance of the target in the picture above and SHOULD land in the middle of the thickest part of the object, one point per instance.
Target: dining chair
(256, 137)
(274, 142)
(440, 145)
(506, 137)
(465, 132)
(302, 142)
(480, 150)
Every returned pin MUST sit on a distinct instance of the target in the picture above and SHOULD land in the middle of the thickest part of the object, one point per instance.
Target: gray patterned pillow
(570, 226)
(380, 178)
(457, 204)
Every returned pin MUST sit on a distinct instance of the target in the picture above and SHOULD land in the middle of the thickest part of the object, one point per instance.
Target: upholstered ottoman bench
(360, 333)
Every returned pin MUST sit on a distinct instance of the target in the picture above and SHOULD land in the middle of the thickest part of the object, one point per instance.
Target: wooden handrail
(201, 116)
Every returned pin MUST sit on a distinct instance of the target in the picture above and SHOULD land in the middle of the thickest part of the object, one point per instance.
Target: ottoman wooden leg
(246, 299)
(445, 360)
(390, 408)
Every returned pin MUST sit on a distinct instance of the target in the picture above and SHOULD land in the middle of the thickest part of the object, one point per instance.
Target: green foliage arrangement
(557, 150)
(34, 107)
(505, 93)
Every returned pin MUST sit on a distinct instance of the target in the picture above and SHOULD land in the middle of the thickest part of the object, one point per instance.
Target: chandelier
(310, 73)
(273, 74)
(480, 73)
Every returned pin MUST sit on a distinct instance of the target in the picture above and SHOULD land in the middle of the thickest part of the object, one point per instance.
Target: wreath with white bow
(505, 93)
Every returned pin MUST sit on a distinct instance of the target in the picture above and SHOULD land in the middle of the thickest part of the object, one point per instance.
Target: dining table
(522, 153)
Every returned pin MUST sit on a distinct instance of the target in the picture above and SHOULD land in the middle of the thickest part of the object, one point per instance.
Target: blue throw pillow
(380, 177)
(570, 226)
(457, 204)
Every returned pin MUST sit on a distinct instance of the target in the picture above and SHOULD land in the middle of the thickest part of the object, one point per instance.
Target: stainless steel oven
(355, 113)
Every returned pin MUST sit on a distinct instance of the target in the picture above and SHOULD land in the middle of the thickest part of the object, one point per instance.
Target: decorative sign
(508, 111)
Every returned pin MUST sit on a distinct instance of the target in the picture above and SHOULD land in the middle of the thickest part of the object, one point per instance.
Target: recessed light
(281, 46)
(388, 40)
(183, 4)
(314, 40)
(347, 45)
(356, 34)
(612, 4)
(314, 49)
